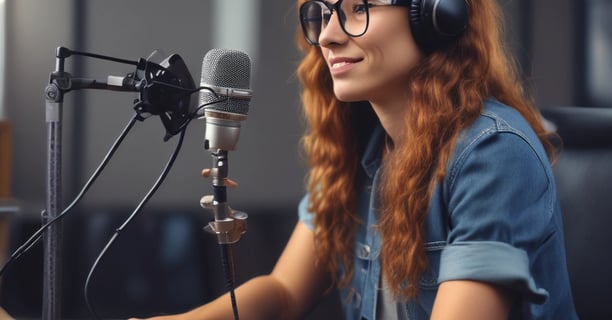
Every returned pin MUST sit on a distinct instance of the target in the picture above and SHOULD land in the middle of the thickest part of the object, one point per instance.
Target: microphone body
(225, 95)
(224, 100)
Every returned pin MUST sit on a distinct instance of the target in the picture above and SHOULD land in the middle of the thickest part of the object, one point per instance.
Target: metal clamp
(228, 230)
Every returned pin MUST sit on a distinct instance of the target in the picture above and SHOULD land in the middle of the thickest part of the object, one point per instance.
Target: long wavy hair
(447, 91)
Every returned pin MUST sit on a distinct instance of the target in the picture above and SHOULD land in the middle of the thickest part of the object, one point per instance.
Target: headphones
(437, 23)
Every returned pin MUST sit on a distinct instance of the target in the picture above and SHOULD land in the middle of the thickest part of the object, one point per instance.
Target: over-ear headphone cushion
(436, 23)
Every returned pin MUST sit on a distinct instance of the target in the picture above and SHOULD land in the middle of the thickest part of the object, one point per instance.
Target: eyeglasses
(353, 16)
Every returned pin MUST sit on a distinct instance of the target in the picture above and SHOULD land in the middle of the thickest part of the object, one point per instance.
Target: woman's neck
(391, 115)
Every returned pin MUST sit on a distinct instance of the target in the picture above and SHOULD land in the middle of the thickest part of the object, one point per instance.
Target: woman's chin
(349, 96)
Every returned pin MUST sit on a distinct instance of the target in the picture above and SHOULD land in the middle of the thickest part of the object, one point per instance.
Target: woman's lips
(341, 64)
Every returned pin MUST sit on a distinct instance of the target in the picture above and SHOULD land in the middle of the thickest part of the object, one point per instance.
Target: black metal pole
(52, 238)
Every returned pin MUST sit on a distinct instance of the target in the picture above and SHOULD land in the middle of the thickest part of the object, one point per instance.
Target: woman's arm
(289, 292)
(470, 300)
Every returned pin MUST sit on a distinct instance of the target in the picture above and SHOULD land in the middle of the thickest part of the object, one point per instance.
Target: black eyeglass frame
(341, 16)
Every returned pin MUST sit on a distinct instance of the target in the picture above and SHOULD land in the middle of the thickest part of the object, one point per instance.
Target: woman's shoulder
(499, 131)
(497, 118)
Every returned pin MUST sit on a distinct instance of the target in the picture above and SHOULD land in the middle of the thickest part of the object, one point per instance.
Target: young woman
(430, 192)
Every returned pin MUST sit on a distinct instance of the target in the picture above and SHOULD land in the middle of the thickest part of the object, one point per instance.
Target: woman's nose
(332, 32)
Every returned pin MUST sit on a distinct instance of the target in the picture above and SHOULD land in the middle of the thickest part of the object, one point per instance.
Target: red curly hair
(447, 91)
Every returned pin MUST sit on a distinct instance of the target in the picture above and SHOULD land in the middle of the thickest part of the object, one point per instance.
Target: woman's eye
(359, 8)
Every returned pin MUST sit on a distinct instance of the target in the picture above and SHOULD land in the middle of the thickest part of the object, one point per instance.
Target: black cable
(194, 114)
(228, 268)
(35, 238)
(146, 198)
(102, 57)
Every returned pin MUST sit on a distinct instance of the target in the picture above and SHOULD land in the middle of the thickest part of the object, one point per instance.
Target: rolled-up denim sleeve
(500, 209)
(304, 215)
(491, 262)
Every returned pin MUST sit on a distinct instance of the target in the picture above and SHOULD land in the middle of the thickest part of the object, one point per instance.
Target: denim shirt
(495, 218)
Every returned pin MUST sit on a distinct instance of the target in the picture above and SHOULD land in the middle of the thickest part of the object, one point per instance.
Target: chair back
(583, 172)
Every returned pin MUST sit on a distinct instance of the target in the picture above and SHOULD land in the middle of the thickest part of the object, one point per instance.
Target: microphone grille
(226, 68)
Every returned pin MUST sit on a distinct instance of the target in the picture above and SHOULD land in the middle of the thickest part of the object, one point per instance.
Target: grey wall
(29, 58)
(2, 58)
(554, 27)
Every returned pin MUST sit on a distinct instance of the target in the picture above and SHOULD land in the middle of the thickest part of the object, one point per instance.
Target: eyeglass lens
(315, 15)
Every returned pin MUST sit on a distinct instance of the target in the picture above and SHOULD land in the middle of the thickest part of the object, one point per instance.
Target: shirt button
(365, 251)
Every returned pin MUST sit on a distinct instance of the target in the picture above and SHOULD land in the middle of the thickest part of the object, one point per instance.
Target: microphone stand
(60, 82)
(52, 238)
(164, 91)
(229, 225)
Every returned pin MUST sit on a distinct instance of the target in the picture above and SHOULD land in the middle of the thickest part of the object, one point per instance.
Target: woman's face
(376, 65)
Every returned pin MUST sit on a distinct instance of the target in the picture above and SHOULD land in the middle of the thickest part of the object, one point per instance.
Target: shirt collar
(370, 161)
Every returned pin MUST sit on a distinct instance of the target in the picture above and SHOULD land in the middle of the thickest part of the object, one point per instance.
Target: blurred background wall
(547, 37)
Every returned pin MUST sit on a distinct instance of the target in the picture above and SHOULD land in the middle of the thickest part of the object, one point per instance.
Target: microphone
(224, 103)
(225, 95)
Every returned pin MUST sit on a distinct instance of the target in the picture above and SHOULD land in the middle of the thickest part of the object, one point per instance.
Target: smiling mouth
(342, 64)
